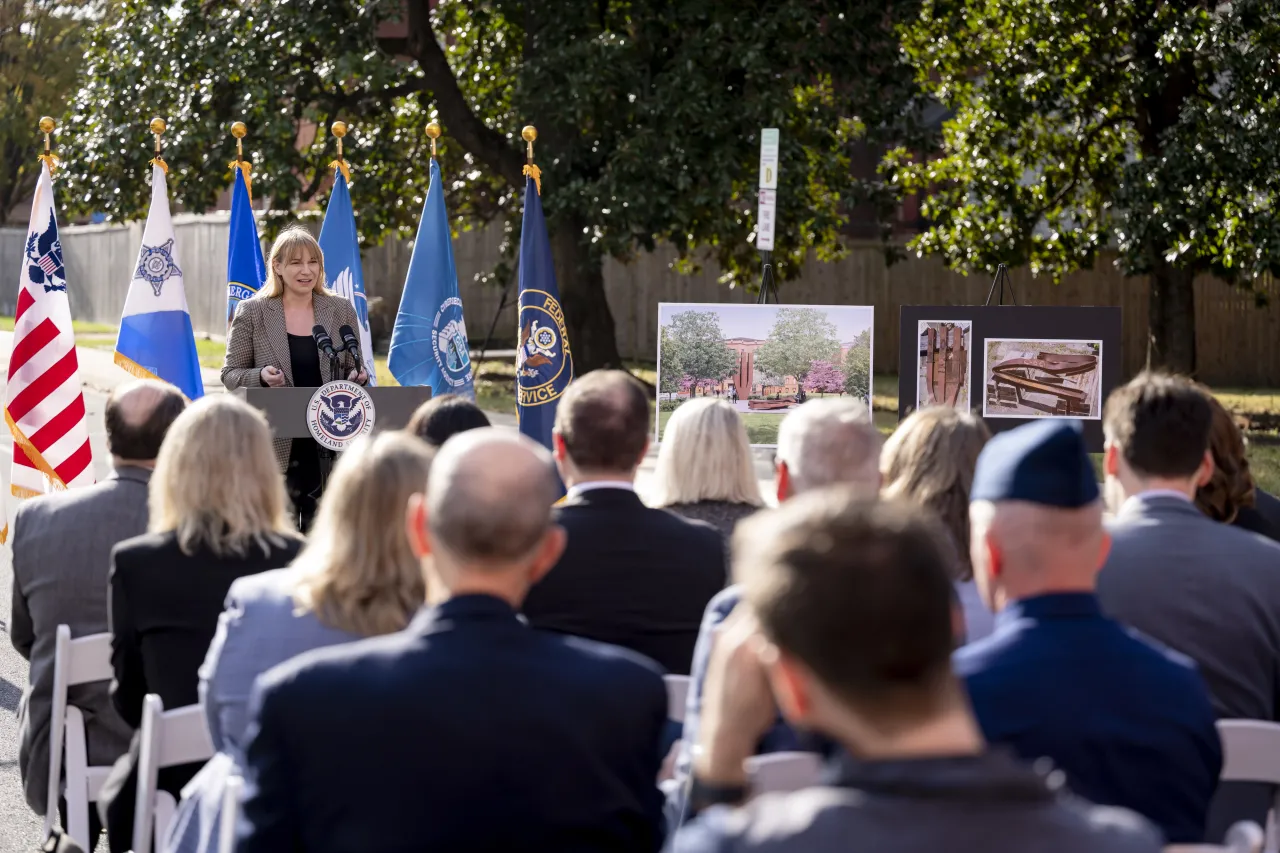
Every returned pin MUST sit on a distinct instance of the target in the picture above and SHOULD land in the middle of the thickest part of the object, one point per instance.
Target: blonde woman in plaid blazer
(270, 344)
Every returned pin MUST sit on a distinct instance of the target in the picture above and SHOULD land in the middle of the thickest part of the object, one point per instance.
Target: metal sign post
(766, 213)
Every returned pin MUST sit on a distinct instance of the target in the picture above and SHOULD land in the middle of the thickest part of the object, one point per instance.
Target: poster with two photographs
(1011, 364)
(764, 360)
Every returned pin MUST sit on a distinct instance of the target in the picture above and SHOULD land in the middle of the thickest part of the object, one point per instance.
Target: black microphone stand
(327, 456)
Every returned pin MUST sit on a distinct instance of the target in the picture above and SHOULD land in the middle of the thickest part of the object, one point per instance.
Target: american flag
(44, 403)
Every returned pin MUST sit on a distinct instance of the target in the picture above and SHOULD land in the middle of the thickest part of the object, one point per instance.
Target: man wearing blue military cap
(1130, 723)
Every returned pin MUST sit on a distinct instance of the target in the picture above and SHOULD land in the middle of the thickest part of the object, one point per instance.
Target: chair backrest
(230, 815)
(167, 738)
(79, 661)
(783, 771)
(1251, 753)
(677, 696)
(1243, 837)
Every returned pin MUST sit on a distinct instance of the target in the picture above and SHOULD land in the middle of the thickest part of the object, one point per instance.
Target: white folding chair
(1243, 837)
(230, 815)
(783, 771)
(1251, 753)
(677, 696)
(168, 738)
(79, 661)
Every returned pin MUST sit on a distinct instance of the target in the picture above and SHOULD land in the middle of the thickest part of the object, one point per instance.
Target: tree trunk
(1171, 343)
(592, 340)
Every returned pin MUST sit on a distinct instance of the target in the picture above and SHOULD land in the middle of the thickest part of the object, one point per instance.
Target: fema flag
(340, 245)
(544, 365)
(429, 343)
(246, 271)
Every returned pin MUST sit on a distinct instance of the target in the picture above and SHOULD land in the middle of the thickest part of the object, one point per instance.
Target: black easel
(1001, 279)
(502, 303)
(767, 287)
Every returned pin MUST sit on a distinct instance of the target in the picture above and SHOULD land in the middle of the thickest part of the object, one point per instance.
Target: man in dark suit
(1206, 589)
(846, 624)
(1129, 722)
(468, 731)
(61, 556)
(633, 576)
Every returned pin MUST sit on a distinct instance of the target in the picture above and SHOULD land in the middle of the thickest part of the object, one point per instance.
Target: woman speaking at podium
(271, 344)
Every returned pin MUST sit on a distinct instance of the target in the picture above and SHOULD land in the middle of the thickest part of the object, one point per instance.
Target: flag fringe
(136, 369)
(243, 166)
(36, 457)
(343, 167)
(23, 492)
(532, 171)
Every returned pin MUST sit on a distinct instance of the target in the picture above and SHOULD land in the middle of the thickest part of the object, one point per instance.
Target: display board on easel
(1010, 364)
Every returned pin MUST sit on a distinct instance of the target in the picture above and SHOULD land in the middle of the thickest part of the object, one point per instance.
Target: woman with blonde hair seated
(218, 513)
(929, 460)
(705, 470)
(357, 577)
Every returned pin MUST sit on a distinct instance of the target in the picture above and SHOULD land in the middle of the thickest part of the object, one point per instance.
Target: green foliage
(670, 365)
(857, 368)
(41, 45)
(799, 337)
(1080, 124)
(694, 340)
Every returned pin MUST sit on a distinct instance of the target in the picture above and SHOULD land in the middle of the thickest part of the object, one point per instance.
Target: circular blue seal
(449, 343)
(339, 413)
(544, 365)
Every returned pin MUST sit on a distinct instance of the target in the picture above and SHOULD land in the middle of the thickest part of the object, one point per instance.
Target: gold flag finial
(433, 130)
(339, 130)
(239, 131)
(529, 134)
(158, 127)
(50, 159)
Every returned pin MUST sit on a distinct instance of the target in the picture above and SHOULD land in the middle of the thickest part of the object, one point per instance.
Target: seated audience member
(61, 552)
(468, 731)
(848, 627)
(356, 577)
(1129, 722)
(1230, 496)
(821, 443)
(705, 469)
(218, 512)
(630, 575)
(441, 418)
(1208, 590)
(929, 460)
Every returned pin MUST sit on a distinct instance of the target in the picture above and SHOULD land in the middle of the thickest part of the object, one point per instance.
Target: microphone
(323, 341)
(351, 344)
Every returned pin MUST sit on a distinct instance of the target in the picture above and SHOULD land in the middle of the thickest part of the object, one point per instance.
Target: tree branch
(486, 145)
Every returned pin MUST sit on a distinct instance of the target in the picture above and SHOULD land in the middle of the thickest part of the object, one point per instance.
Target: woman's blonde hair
(357, 571)
(1231, 486)
(216, 481)
(929, 460)
(292, 242)
(705, 456)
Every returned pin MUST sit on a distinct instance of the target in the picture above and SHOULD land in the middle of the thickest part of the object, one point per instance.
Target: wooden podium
(286, 408)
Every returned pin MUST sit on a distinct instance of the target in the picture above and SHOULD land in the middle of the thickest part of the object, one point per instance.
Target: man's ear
(415, 522)
(1111, 460)
(549, 552)
(782, 478)
(558, 449)
(791, 684)
(1205, 472)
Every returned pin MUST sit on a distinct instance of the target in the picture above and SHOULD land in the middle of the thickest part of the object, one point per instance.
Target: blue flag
(246, 272)
(156, 340)
(429, 342)
(544, 365)
(340, 246)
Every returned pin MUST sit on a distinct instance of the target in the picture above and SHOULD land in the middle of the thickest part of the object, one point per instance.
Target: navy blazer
(1130, 723)
(468, 731)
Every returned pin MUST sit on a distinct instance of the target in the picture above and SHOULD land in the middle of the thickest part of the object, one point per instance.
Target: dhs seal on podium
(339, 413)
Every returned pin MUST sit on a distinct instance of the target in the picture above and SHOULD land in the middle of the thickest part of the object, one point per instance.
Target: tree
(41, 43)
(824, 377)
(670, 364)
(799, 337)
(700, 346)
(1143, 124)
(648, 118)
(857, 368)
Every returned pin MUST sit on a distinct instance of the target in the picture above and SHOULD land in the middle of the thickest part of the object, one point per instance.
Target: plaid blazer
(258, 338)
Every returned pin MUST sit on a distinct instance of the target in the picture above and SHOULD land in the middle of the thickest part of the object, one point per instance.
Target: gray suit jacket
(1208, 590)
(61, 556)
(259, 629)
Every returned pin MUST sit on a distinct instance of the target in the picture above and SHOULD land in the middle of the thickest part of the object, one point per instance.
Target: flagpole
(339, 130)
(158, 127)
(50, 159)
(239, 131)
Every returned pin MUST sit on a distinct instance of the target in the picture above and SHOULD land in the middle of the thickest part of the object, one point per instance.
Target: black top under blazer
(467, 731)
(632, 576)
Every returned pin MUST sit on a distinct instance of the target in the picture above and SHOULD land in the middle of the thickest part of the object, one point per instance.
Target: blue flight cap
(1042, 463)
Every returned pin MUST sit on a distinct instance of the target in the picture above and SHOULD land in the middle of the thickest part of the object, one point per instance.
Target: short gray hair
(490, 496)
(830, 442)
